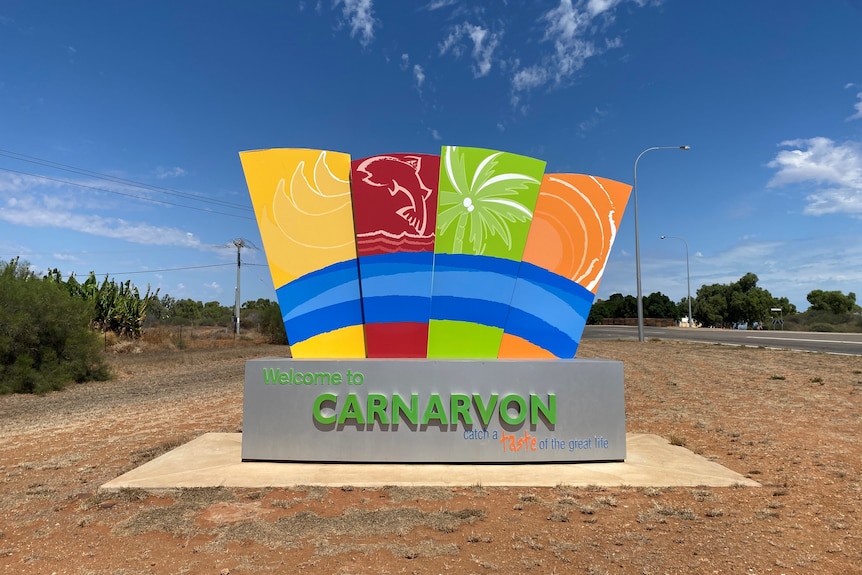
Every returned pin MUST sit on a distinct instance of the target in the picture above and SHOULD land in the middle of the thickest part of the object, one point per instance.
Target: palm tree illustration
(483, 203)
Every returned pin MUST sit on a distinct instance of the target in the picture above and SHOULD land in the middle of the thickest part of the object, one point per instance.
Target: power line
(163, 202)
(115, 179)
(164, 270)
(175, 269)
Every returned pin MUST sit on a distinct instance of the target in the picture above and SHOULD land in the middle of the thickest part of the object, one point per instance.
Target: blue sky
(121, 123)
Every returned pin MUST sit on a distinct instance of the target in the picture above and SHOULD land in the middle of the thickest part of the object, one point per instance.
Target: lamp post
(637, 240)
(687, 276)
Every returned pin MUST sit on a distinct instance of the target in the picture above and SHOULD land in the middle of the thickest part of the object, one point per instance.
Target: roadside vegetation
(740, 304)
(54, 332)
(46, 341)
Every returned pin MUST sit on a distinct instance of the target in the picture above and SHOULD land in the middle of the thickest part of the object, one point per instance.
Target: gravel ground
(788, 420)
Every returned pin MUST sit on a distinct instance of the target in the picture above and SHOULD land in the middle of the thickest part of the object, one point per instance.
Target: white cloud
(858, 107)
(419, 75)
(484, 43)
(114, 228)
(165, 173)
(360, 15)
(529, 78)
(213, 286)
(435, 4)
(592, 121)
(436, 135)
(596, 7)
(821, 161)
(405, 61)
(570, 30)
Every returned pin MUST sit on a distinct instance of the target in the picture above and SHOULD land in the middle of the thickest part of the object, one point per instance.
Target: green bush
(266, 316)
(45, 339)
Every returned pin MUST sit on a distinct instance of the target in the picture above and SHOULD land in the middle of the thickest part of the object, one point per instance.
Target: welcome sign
(433, 305)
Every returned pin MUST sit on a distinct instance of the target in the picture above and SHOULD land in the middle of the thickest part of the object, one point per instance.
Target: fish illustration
(400, 176)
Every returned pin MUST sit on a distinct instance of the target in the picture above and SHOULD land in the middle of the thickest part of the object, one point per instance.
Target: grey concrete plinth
(433, 411)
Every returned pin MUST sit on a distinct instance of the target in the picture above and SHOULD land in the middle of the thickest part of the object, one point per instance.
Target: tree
(658, 305)
(213, 313)
(710, 305)
(832, 301)
(266, 315)
(45, 336)
(787, 308)
(188, 311)
(741, 302)
(161, 310)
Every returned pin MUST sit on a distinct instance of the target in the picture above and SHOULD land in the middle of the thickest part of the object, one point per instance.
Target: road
(843, 343)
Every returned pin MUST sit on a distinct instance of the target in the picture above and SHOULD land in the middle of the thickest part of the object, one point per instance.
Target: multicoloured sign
(474, 253)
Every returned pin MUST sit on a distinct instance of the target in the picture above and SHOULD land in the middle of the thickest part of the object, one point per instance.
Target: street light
(637, 240)
(687, 275)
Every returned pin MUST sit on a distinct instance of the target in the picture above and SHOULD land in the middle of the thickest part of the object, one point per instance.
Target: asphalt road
(843, 343)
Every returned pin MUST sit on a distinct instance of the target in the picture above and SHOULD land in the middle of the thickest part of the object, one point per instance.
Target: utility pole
(239, 243)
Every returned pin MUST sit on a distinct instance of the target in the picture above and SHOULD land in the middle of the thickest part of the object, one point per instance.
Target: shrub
(45, 341)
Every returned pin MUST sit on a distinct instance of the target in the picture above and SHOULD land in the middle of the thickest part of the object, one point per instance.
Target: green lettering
(459, 406)
(318, 404)
(485, 413)
(336, 378)
(399, 407)
(376, 406)
(549, 410)
(522, 409)
(271, 375)
(321, 378)
(434, 410)
(351, 410)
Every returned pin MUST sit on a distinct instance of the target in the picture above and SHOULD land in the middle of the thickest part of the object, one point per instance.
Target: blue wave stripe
(472, 288)
(452, 262)
(396, 287)
(545, 305)
(540, 333)
(321, 301)
(396, 309)
(398, 261)
(328, 286)
(549, 310)
(473, 285)
(562, 286)
(320, 321)
(479, 311)
(337, 295)
(552, 298)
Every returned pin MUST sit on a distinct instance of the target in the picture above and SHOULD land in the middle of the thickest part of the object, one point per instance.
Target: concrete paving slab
(214, 460)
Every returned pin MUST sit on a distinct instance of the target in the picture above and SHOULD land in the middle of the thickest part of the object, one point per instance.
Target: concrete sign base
(427, 411)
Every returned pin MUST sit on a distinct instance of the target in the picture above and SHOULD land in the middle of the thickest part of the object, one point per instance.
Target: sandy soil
(788, 420)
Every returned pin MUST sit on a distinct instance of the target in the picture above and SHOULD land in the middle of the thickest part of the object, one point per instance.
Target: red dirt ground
(788, 420)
